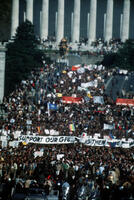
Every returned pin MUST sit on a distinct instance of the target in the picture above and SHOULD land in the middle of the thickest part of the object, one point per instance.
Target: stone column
(104, 25)
(56, 14)
(121, 24)
(44, 19)
(60, 21)
(109, 21)
(2, 71)
(92, 22)
(76, 22)
(125, 21)
(88, 16)
(29, 10)
(72, 22)
(14, 17)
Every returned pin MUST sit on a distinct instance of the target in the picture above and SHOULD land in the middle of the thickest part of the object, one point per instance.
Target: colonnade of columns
(75, 19)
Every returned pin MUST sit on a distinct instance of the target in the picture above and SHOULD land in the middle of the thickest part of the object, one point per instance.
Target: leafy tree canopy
(123, 59)
(125, 56)
(22, 55)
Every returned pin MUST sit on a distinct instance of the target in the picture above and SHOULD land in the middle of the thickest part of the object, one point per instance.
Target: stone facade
(111, 15)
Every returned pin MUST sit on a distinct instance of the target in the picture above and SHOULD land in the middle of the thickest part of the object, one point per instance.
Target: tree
(123, 59)
(22, 55)
(109, 60)
(125, 56)
(5, 19)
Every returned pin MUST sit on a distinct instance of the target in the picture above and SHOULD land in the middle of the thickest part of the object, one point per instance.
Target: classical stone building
(75, 19)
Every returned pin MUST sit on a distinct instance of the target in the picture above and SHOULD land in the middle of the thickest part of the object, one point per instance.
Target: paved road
(84, 59)
(75, 59)
(120, 85)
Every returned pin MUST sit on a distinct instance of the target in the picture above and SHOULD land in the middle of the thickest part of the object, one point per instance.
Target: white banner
(109, 143)
(47, 139)
(90, 84)
(73, 139)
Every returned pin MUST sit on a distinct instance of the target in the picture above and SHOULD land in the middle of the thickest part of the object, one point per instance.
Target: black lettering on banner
(41, 139)
(125, 144)
(23, 138)
(20, 137)
(61, 139)
(47, 140)
(34, 139)
(118, 143)
(27, 137)
(76, 140)
(38, 139)
(31, 139)
(90, 142)
(65, 139)
(51, 139)
(55, 139)
(105, 143)
(68, 139)
(98, 142)
(72, 139)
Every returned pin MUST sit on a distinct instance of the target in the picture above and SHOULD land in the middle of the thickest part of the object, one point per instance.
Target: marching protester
(95, 151)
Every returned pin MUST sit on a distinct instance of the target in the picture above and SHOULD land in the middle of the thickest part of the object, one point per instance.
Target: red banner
(75, 67)
(66, 99)
(129, 102)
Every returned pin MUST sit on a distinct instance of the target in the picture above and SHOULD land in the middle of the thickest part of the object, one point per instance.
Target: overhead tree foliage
(123, 59)
(125, 56)
(22, 55)
(5, 19)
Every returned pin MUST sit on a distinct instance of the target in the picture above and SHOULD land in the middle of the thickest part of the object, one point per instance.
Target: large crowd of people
(106, 173)
(98, 47)
(27, 106)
